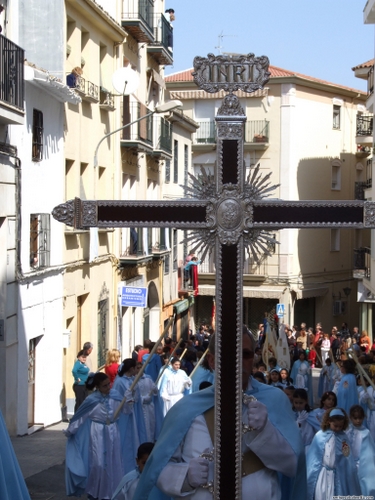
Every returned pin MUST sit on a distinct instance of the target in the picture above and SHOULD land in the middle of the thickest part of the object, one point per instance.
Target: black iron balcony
(138, 19)
(364, 125)
(138, 135)
(162, 136)
(362, 262)
(162, 46)
(11, 73)
(359, 190)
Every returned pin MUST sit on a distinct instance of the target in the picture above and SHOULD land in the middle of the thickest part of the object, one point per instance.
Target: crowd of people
(147, 425)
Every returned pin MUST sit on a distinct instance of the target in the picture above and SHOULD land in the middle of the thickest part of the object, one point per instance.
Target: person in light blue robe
(331, 469)
(122, 384)
(301, 376)
(99, 449)
(288, 463)
(363, 447)
(347, 393)
(326, 381)
(12, 483)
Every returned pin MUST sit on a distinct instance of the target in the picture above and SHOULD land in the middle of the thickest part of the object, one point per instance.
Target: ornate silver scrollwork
(369, 214)
(247, 398)
(210, 456)
(64, 213)
(231, 73)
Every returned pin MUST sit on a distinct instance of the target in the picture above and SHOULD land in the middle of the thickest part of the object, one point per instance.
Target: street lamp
(163, 108)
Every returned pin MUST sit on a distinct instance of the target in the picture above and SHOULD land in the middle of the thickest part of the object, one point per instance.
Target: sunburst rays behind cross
(257, 242)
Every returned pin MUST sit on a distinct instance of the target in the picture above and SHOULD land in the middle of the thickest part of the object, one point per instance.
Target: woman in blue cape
(301, 376)
(12, 483)
(122, 384)
(347, 393)
(331, 469)
(98, 447)
(326, 380)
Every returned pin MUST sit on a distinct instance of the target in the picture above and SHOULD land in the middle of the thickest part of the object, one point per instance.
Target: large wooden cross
(229, 213)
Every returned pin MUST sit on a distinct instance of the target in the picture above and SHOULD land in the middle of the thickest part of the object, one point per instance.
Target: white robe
(260, 485)
(172, 388)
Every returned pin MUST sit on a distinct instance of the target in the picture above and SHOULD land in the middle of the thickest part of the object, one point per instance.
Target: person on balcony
(169, 15)
(73, 77)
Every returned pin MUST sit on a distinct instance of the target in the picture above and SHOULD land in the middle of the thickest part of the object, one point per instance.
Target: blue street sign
(132, 296)
(280, 310)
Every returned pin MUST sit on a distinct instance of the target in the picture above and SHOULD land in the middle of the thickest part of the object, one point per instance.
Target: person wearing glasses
(269, 425)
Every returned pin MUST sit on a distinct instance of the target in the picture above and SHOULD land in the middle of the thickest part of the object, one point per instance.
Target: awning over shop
(307, 293)
(248, 291)
(183, 305)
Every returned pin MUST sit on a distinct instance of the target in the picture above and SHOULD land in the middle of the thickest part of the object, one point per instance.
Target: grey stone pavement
(41, 456)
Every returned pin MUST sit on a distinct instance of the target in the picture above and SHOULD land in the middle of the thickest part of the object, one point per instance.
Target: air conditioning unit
(339, 307)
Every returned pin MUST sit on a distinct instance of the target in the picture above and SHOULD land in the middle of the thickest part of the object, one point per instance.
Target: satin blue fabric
(182, 414)
(77, 446)
(12, 483)
(366, 469)
(345, 478)
(201, 375)
(347, 393)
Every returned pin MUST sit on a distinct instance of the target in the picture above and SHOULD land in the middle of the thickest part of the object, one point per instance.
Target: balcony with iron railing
(162, 137)
(138, 19)
(256, 134)
(142, 246)
(364, 133)
(362, 263)
(88, 91)
(139, 135)
(107, 100)
(11, 82)
(161, 48)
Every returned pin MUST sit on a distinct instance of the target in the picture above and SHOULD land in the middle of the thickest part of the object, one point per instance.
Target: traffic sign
(280, 310)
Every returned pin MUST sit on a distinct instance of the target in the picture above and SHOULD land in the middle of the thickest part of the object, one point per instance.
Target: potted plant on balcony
(260, 138)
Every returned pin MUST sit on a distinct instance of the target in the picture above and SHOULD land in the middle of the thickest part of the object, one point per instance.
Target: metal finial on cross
(228, 213)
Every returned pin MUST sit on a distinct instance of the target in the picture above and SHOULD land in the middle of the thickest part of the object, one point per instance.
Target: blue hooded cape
(12, 483)
(189, 407)
(77, 446)
(345, 478)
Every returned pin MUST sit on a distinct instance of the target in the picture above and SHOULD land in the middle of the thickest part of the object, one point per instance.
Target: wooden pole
(199, 362)
(360, 368)
(141, 371)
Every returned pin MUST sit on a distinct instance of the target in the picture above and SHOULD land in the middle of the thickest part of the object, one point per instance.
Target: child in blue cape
(128, 484)
(363, 447)
(327, 402)
(302, 410)
(326, 380)
(331, 469)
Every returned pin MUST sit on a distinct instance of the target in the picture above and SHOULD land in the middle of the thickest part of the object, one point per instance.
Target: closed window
(175, 162)
(37, 149)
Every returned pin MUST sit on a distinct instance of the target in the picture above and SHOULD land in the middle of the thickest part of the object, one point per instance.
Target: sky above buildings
(319, 38)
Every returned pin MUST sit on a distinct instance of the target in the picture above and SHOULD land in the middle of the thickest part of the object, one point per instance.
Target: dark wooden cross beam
(229, 215)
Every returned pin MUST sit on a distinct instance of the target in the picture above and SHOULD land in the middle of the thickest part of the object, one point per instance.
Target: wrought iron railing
(364, 125)
(163, 32)
(370, 81)
(139, 9)
(11, 73)
(162, 134)
(107, 98)
(368, 180)
(359, 190)
(362, 260)
(140, 131)
(206, 134)
(92, 90)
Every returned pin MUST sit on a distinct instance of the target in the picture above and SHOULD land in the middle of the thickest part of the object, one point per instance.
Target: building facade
(302, 131)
